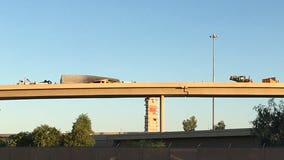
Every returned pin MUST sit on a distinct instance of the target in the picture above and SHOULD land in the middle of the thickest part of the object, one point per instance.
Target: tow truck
(241, 79)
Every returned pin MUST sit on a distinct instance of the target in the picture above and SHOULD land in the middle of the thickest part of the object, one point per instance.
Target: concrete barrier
(30, 153)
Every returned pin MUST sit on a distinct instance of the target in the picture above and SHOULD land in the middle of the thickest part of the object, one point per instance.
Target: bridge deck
(141, 89)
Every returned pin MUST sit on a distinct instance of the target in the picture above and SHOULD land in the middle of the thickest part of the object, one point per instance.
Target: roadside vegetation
(46, 136)
(268, 126)
(148, 144)
(220, 126)
(189, 124)
(269, 123)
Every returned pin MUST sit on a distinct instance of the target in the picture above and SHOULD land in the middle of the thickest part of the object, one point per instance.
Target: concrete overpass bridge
(145, 89)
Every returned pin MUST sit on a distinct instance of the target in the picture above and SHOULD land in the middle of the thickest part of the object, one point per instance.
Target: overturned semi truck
(69, 78)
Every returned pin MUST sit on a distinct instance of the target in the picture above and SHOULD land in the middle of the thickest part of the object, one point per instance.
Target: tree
(81, 134)
(67, 140)
(22, 139)
(45, 136)
(189, 124)
(220, 126)
(2, 143)
(269, 123)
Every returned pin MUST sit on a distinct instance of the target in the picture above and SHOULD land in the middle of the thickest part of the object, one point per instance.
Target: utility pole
(213, 36)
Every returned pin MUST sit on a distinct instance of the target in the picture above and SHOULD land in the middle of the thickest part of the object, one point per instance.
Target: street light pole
(213, 36)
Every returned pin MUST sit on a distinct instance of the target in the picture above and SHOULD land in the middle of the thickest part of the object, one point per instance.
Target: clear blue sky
(149, 40)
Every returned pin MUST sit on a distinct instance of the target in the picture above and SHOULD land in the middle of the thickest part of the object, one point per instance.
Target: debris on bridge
(270, 80)
(26, 81)
(245, 79)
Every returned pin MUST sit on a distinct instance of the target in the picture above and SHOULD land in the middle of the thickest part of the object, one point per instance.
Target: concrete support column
(162, 104)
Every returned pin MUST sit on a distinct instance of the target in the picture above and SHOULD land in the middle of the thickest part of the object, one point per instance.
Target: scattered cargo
(45, 82)
(65, 79)
(26, 81)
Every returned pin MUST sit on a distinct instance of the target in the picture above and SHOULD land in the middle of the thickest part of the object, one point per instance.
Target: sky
(142, 41)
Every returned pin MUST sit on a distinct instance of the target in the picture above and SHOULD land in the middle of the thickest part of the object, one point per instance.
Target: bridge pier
(162, 105)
